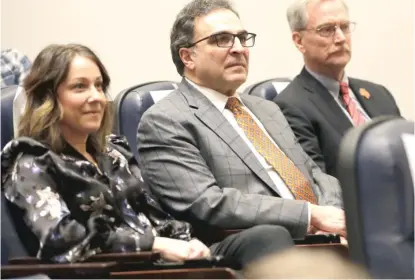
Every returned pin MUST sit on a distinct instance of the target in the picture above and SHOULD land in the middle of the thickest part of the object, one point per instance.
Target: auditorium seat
(7, 97)
(268, 89)
(375, 167)
(131, 103)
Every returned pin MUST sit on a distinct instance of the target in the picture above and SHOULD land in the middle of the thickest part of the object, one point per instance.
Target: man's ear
(186, 55)
(298, 41)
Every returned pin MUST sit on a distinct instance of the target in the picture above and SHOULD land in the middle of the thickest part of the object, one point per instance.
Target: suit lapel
(369, 105)
(324, 101)
(209, 115)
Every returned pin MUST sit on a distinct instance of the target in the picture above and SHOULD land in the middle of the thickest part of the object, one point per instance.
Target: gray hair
(297, 15)
(181, 35)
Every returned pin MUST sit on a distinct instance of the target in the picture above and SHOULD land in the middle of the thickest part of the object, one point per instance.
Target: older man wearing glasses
(221, 160)
(322, 102)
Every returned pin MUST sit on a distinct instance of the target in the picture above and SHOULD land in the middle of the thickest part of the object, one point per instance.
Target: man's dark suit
(201, 169)
(318, 121)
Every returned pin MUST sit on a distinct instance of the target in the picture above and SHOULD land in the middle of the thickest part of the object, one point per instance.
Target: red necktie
(292, 176)
(351, 105)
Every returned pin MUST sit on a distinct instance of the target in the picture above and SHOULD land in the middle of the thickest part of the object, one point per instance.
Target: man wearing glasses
(322, 102)
(218, 159)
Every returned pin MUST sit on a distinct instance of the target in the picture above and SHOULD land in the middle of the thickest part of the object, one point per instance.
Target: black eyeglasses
(328, 30)
(227, 40)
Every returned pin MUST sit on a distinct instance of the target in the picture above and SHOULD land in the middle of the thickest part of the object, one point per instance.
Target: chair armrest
(318, 239)
(125, 257)
(215, 235)
(218, 235)
(191, 273)
(214, 261)
(341, 249)
(25, 260)
(107, 257)
(73, 270)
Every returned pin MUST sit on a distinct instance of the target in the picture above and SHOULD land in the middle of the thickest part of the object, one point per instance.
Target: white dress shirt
(219, 101)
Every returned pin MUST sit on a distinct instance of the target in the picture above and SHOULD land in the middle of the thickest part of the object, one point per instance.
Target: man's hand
(328, 219)
(198, 250)
(179, 250)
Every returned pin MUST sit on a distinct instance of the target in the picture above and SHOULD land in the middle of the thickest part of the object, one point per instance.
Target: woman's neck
(77, 141)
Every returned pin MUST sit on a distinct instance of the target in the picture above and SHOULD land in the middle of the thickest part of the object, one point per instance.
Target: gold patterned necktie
(292, 176)
(351, 105)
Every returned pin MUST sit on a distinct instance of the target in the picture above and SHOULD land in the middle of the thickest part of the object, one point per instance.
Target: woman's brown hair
(43, 112)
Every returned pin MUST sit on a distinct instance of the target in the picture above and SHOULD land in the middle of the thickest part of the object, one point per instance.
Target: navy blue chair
(7, 97)
(268, 89)
(11, 244)
(378, 190)
(16, 238)
(130, 105)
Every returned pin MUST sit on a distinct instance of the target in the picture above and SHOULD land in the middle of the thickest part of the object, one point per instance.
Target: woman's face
(82, 97)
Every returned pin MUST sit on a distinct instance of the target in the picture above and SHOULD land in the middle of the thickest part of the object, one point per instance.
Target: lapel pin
(363, 92)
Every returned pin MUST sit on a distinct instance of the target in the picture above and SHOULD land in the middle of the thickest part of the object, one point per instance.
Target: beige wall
(132, 38)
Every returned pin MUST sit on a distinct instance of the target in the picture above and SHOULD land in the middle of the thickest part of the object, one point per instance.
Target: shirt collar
(71, 151)
(332, 85)
(218, 99)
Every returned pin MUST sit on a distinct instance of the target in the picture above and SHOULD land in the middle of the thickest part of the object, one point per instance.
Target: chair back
(11, 243)
(7, 97)
(17, 240)
(130, 105)
(268, 89)
(378, 189)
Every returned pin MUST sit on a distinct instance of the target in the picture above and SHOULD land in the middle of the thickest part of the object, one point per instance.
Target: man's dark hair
(181, 35)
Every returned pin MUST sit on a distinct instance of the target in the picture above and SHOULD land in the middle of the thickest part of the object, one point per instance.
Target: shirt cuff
(309, 215)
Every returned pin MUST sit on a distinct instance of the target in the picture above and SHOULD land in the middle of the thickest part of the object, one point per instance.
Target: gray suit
(202, 170)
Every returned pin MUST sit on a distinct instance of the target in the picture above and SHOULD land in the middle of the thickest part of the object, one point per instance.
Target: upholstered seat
(379, 197)
(7, 97)
(130, 105)
(268, 89)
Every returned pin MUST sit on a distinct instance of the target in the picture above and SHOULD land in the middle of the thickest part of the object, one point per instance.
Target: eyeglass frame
(228, 33)
(336, 26)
